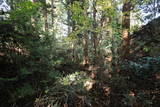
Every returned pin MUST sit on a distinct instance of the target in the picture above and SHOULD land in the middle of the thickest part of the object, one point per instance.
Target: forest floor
(101, 89)
(96, 88)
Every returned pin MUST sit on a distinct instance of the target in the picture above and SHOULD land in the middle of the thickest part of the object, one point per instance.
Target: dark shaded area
(145, 42)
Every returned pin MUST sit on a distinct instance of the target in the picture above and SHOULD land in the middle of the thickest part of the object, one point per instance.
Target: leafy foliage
(66, 91)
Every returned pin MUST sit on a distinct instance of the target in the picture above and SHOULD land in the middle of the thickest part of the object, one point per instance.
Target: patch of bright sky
(60, 21)
(4, 6)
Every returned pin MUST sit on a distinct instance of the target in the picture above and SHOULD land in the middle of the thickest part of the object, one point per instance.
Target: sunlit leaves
(79, 14)
(107, 6)
(24, 11)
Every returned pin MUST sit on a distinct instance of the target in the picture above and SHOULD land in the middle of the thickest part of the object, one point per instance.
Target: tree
(79, 22)
(95, 41)
(52, 11)
(126, 11)
(45, 15)
(85, 35)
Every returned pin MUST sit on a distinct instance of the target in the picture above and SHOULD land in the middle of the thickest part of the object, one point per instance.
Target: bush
(69, 90)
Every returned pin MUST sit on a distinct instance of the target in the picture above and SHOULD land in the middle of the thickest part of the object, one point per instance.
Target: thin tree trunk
(11, 4)
(45, 17)
(33, 20)
(71, 27)
(85, 40)
(73, 51)
(52, 12)
(95, 41)
(85, 50)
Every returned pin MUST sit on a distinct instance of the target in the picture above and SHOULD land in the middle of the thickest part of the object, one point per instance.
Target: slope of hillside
(146, 41)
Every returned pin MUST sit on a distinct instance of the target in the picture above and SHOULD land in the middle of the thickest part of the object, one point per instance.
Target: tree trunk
(85, 50)
(52, 12)
(34, 0)
(73, 50)
(95, 41)
(45, 17)
(126, 28)
(85, 40)
(11, 4)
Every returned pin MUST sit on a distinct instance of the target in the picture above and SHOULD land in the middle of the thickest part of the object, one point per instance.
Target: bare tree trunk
(73, 51)
(45, 19)
(95, 41)
(33, 20)
(154, 3)
(85, 40)
(52, 12)
(71, 27)
(126, 28)
(11, 4)
(34, 0)
(45, 16)
(85, 50)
